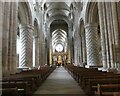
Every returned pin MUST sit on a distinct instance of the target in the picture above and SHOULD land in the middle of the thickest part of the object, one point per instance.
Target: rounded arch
(24, 13)
(91, 13)
(53, 18)
(56, 5)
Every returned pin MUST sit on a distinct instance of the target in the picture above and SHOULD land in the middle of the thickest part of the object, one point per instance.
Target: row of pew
(24, 83)
(95, 82)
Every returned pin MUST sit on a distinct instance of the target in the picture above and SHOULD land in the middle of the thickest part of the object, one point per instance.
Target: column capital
(27, 26)
(36, 36)
(91, 25)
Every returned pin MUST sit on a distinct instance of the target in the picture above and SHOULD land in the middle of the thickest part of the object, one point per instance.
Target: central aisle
(60, 82)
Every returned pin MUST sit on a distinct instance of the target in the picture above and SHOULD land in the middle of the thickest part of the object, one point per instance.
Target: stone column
(9, 37)
(1, 33)
(76, 54)
(70, 45)
(43, 57)
(91, 45)
(48, 44)
(80, 52)
(102, 32)
(109, 30)
(5, 36)
(116, 34)
(76, 46)
(48, 52)
(83, 47)
(35, 51)
(106, 37)
(38, 51)
(26, 32)
(12, 54)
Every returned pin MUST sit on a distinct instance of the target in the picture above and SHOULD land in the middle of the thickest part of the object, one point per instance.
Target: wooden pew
(9, 92)
(87, 78)
(32, 78)
(29, 80)
(89, 89)
(108, 90)
(22, 87)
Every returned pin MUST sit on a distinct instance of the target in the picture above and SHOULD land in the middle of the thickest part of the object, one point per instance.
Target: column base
(89, 66)
(5, 74)
(19, 69)
(114, 70)
(103, 69)
(118, 70)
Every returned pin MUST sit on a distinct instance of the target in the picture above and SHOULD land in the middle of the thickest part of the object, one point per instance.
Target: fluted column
(116, 34)
(92, 45)
(5, 35)
(80, 53)
(43, 57)
(70, 45)
(106, 37)
(35, 51)
(26, 41)
(110, 34)
(9, 37)
(13, 37)
(1, 32)
(102, 31)
(83, 47)
(76, 46)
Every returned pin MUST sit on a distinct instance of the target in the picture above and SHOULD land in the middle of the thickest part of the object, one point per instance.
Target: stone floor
(60, 82)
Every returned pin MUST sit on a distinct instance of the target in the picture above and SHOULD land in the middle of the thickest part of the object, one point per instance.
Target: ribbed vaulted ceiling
(59, 26)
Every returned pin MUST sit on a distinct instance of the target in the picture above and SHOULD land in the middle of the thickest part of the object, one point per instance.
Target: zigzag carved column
(91, 45)
(26, 46)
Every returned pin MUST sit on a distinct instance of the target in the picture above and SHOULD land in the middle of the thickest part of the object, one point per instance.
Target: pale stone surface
(26, 32)
(60, 82)
(92, 45)
(1, 29)
(102, 30)
(110, 37)
(109, 22)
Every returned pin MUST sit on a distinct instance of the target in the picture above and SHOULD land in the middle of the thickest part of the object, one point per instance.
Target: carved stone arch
(59, 18)
(90, 12)
(29, 13)
(24, 13)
